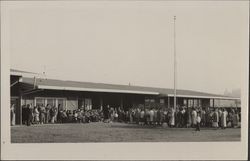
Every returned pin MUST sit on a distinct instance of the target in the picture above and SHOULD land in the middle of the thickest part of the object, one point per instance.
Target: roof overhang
(211, 97)
(16, 74)
(96, 90)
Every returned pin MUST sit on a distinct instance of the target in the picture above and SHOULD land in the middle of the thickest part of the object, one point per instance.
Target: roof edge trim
(213, 97)
(97, 90)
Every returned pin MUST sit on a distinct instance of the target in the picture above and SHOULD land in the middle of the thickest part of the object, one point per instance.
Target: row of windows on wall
(152, 100)
(186, 102)
(57, 102)
(223, 103)
(192, 102)
(86, 103)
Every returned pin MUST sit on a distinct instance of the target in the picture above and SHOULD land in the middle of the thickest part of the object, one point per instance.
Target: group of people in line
(181, 117)
(51, 114)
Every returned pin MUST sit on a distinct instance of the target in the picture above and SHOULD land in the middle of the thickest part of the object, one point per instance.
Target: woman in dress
(36, 115)
(235, 119)
(42, 114)
(194, 118)
(151, 116)
(223, 119)
(172, 118)
(216, 118)
(12, 114)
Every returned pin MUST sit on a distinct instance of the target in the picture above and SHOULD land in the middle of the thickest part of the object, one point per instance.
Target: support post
(101, 103)
(175, 66)
(168, 102)
(121, 102)
(20, 105)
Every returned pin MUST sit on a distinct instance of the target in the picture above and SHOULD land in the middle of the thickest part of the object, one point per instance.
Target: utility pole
(175, 65)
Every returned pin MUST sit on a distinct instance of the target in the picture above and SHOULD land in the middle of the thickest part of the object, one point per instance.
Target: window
(62, 103)
(195, 102)
(162, 101)
(211, 102)
(199, 102)
(88, 103)
(152, 100)
(51, 101)
(40, 101)
(184, 102)
(190, 103)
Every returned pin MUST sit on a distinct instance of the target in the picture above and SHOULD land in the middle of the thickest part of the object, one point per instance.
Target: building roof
(54, 84)
(15, 72)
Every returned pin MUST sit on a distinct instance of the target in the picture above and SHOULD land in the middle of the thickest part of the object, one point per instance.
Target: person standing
(155, 116)
(198, 121)
(29, 115)
(137, 115)
(216, 118)
(12, 115)
(223, 119)
(151, 116)
(142, 117)
(194, 118)
(187, 117)
(59, 113)
(24, 114)
(182, 117)
(203, 117)
(36, 115)
(235, 119)
(159, 116)
(219, 113)
(207, 117)
(42, 114)
(52, 114)
(172, 118)
(131, 116)
(147, 116)
(106, 113)
(47, 114)
(178, 118)
(116, 116)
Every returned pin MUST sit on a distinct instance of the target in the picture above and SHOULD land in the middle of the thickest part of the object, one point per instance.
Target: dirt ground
(117, 132)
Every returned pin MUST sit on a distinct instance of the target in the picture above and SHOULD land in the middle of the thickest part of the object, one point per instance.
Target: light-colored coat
(194, 117)
(224, 119)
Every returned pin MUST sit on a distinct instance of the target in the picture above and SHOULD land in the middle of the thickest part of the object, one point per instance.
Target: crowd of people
(51, 114)
(181, 117)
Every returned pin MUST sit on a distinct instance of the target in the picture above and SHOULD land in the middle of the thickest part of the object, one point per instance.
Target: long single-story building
(72, 95)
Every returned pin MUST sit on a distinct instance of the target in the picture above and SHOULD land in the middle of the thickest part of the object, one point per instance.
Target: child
(198, 121)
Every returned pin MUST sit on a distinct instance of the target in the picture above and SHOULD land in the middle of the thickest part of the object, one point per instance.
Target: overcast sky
(122, 42)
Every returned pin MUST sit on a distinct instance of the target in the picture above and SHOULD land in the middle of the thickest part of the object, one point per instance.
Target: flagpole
(175, 66)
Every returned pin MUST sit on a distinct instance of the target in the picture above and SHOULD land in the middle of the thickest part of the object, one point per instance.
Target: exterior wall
(205, 102)
(72, 103)
(29, 100)
(224, 103)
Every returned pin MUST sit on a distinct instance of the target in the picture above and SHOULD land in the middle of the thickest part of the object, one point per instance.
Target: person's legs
(53, 120)
(29, 120)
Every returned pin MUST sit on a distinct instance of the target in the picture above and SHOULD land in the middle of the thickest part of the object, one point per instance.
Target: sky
(131, 42)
